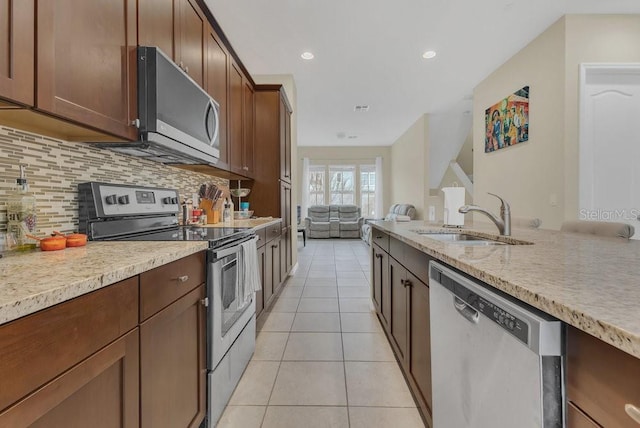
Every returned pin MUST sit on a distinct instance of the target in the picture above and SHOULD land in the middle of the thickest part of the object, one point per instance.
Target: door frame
(585, 157)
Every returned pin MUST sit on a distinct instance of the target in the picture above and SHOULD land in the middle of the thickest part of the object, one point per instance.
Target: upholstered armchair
(396, 212)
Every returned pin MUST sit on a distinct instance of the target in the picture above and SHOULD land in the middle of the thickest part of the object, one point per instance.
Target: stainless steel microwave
(178, 121)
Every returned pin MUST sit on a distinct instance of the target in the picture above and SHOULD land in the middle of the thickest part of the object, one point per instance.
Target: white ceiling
(370, 52)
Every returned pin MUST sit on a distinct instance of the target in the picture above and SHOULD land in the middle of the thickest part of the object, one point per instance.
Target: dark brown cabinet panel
(285, 147)
(381, 286)
(276, 278)
(248, 119)
(420, 340)
(17, 65)
(190, 48)
(157, 24)
(601, 380)
(398, 282)
(101, 391)
(217, 83)
(172, 364)
(37, 348)
(179, 29)
(236, 96)
(94, 82)
(261, 270)
(577, 419)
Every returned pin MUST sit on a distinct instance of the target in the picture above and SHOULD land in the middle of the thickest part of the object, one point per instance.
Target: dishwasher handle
(465, 310)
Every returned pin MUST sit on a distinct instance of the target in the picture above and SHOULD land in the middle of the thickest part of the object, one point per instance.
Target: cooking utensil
(50, 243)
(73, 239)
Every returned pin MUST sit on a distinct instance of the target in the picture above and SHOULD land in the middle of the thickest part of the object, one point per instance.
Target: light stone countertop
(592, 283)
(37, 280)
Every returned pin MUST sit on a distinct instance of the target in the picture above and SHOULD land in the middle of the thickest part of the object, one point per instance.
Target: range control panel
(121, 200)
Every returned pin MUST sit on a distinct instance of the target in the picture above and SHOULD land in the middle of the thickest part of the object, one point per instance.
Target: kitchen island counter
(591, 283)
(251, 223)
(33, 281)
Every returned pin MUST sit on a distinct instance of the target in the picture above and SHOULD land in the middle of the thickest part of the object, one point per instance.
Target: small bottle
(226, 214)
(21, 214)
(231, 208)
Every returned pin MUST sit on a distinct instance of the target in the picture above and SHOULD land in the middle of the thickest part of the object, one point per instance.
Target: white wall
(409, 171)
(529, 175)
(589, 38)
(540, 177)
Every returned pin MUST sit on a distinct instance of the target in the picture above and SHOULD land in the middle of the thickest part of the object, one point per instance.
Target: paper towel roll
(453, 200)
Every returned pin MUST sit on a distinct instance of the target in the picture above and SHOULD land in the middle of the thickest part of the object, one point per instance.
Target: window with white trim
(368, 190)
(342, 186)
(316, 185)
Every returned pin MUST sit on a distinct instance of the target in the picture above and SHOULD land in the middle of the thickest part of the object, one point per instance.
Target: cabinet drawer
(39, 347)
(164, 285)
(601, 379)
(262, 237)
(380, 238)
(577, 419)
(273, 231)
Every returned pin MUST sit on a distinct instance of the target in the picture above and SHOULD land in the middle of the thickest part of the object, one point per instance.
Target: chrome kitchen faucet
(503, 223)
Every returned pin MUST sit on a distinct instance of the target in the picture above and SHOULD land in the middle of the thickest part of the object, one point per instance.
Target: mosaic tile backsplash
(55, 167)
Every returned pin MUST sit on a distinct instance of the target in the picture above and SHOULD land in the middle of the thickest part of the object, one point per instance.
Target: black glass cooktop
(215, 235)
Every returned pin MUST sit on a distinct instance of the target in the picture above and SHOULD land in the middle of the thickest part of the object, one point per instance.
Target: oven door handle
(231, 249)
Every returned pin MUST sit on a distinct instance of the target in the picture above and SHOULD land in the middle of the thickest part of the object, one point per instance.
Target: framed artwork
(507, 121)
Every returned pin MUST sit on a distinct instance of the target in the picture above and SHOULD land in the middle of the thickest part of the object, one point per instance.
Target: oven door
(231, 307)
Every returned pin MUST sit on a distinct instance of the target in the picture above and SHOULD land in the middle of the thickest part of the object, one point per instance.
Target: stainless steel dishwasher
(495, 362)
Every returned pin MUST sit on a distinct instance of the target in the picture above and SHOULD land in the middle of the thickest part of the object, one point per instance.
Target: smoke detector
(361, 108)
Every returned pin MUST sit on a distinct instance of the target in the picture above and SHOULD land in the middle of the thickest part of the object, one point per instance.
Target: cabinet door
(285, 141)
(261, 269)
(217, 82)
(248, 124)
(376, 276)
(101, 391)
(93, 83)
(17, 50)
(420, 339)
(236, 95)
(157, 24)
(269, 273)
(172, 364)
(192, 29)
(276, 270)
(398, 282)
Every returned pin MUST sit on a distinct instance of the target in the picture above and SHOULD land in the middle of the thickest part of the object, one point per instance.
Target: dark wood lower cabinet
(100, 392)
(261, 268)
(400, 294)
(399, 309)
(420, 340)
(577, 419)
(276, 278)
(172, 364)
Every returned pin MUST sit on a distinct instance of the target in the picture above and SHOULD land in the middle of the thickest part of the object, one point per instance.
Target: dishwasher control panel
(505, 319)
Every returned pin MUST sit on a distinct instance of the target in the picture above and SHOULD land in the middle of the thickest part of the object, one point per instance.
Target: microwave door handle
(211, 109)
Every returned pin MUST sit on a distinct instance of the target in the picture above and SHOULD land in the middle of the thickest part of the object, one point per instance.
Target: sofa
(333, 221)
(399, 212)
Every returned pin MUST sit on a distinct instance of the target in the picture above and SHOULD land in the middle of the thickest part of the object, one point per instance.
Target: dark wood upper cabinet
(17, 50)
(216, 84)
(156, 25)
(236, 95)
(179, 29)
(192, 36)
(285, 147)
(86, 63)
(248, 119)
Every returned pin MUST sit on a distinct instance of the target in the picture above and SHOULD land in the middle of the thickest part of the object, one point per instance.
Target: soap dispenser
(21, 214)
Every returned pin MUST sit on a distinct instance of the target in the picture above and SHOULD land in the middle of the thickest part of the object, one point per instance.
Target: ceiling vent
(361, 108)
(352, 137)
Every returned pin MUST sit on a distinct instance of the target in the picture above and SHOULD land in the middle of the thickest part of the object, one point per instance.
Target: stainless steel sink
(459, 238)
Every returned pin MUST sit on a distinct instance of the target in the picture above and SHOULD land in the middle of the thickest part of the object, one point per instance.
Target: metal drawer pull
(633, 412)
(183, 278)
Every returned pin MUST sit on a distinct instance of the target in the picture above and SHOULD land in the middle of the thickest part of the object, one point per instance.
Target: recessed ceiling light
(429, 54)
(362, 108)
(307, 55)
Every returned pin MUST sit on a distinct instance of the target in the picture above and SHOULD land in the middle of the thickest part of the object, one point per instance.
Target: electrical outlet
(432, 213)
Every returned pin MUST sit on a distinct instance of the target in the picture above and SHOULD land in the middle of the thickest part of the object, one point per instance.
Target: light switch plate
(432, 213)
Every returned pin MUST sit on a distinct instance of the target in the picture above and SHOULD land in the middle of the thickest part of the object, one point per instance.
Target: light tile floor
(322, 359)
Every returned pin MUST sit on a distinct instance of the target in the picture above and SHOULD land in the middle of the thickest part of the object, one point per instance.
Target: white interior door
(610, 143)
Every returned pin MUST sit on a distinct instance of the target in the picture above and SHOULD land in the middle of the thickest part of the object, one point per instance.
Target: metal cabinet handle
(181, 65)
(378, 256)
(407, 283)
(183, 278)
(402, 282)
(378, 237)
(204, 302)
(246, 168)
(633, 412)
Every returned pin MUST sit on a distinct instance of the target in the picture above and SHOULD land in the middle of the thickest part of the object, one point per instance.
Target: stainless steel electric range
(109, 212)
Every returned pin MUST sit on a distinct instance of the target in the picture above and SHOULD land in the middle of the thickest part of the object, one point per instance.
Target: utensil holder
(213, 215)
